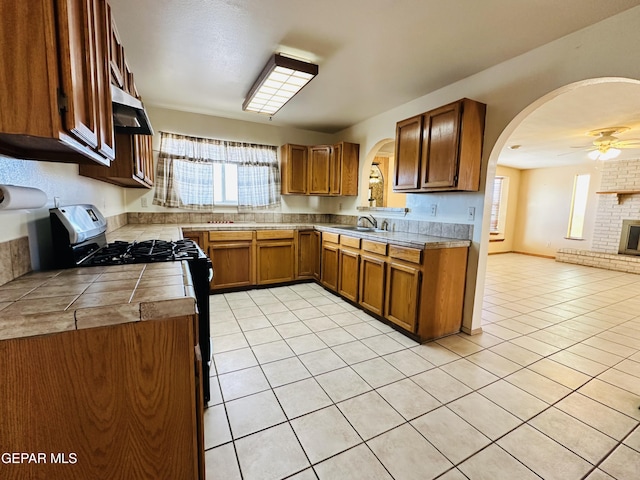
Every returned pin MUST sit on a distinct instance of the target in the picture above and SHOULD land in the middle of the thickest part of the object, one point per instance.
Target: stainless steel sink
(355, 228)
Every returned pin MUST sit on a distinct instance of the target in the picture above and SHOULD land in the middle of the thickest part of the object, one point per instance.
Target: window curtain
(184, 176)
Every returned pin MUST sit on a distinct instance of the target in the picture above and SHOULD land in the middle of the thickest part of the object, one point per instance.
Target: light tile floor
(306, 386)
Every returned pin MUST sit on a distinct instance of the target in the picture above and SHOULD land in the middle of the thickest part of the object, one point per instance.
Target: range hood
(129, 115)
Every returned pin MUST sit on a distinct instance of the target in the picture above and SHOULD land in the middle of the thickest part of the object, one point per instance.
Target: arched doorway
(603, 110)
(377, 189)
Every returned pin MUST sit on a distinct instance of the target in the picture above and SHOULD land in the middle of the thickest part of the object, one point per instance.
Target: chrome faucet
(370, 219)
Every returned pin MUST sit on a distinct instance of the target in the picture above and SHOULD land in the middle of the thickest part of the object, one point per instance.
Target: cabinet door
(77, 44)
(335, 171)
(308, 253)
(148, 158)
(102, 21)
(275, 261)
(232, 264)
(408, 145)
(319, 169)
(372, 275)
(317, 265)
(403, 290)
(330, 263)
(440, 147)
(348, 274)
(293, 162)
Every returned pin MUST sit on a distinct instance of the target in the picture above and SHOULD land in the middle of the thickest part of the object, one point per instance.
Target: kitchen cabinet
(330, 258)
(320, 169)
(308, 254)
(56, 99)
(402, 295)
(349, 267)
(101, 394)
(232, 255)
(293, 169)
(372, 277)
(275, 256)
(441, 150)
(133, 165)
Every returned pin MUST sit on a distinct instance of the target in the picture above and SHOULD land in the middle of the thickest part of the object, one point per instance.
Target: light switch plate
(471, 214)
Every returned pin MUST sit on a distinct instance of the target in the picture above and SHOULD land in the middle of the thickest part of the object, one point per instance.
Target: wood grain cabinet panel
(349, 277)
(403, 295)
(275, 260)
(123, 399)
(293, 169)
(56, 100)
(372, 284)
(319, 169)
(133, 165)
(233, 264)
(441, 150)
(330, 265)
(308, 253)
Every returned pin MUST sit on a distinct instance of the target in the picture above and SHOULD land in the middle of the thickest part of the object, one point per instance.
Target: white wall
(208, 126)
(511, 90)
(544, 204)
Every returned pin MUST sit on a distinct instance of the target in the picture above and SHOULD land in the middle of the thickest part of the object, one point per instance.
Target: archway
(502, 141)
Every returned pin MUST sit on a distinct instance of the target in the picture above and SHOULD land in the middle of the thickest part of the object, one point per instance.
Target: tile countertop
(40, 303)
(415, 240)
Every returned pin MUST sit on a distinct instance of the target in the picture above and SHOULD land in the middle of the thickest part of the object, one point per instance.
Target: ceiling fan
(606, 146)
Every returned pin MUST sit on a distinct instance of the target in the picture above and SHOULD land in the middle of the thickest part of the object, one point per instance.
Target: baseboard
(552, 257)
(468, 331)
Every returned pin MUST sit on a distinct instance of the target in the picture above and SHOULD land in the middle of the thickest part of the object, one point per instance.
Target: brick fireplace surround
(623, 175)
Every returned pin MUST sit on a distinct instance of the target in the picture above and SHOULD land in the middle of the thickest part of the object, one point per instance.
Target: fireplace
(630, 238)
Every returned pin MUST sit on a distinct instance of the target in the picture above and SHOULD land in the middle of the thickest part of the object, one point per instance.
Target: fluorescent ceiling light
(280, 79)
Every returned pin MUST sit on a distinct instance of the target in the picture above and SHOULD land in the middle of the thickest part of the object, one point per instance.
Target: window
(578, 206)
(200, 173)
(498, 206)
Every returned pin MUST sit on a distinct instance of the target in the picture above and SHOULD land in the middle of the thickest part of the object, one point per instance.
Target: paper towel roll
(14, 197)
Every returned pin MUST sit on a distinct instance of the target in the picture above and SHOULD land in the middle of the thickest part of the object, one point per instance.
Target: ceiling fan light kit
(606, 146)
(280, 79)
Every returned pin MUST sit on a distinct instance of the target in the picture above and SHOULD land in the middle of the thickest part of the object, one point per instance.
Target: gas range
(79, 240)
(147, 251)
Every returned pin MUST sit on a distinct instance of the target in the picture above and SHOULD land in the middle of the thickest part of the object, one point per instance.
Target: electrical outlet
(340, 206)
(471, 214)
(144, 202)
(434, 209)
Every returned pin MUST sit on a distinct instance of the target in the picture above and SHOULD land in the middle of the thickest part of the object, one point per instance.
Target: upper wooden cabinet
(441, 150)
(133, 165)
(55, 97)
(320, 169)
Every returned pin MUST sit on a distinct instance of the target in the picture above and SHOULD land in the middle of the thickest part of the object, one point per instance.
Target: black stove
(147, 251)
(79, 240)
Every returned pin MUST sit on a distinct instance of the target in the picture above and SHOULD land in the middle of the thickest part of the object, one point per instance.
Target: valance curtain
(184, 176)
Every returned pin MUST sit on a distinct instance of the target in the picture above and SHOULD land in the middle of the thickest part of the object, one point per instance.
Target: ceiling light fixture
(604, 153)
(280, 79)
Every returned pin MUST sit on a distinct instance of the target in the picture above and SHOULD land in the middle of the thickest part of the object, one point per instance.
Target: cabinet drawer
(330, 237)
(350, 241)
(374, 247)
(216, 236)
(408, 254)
(273, 234)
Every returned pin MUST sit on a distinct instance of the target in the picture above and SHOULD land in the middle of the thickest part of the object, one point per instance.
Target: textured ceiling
(203, 55)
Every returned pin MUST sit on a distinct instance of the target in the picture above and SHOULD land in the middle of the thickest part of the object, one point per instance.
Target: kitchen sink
(355, 228)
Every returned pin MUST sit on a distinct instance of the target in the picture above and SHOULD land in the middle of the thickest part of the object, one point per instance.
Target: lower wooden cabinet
(118, 401)
(275, 256)
(308, 254)
(232, 257)
(372, 284)
(348, 274)
(330, 265)
(402, 295)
